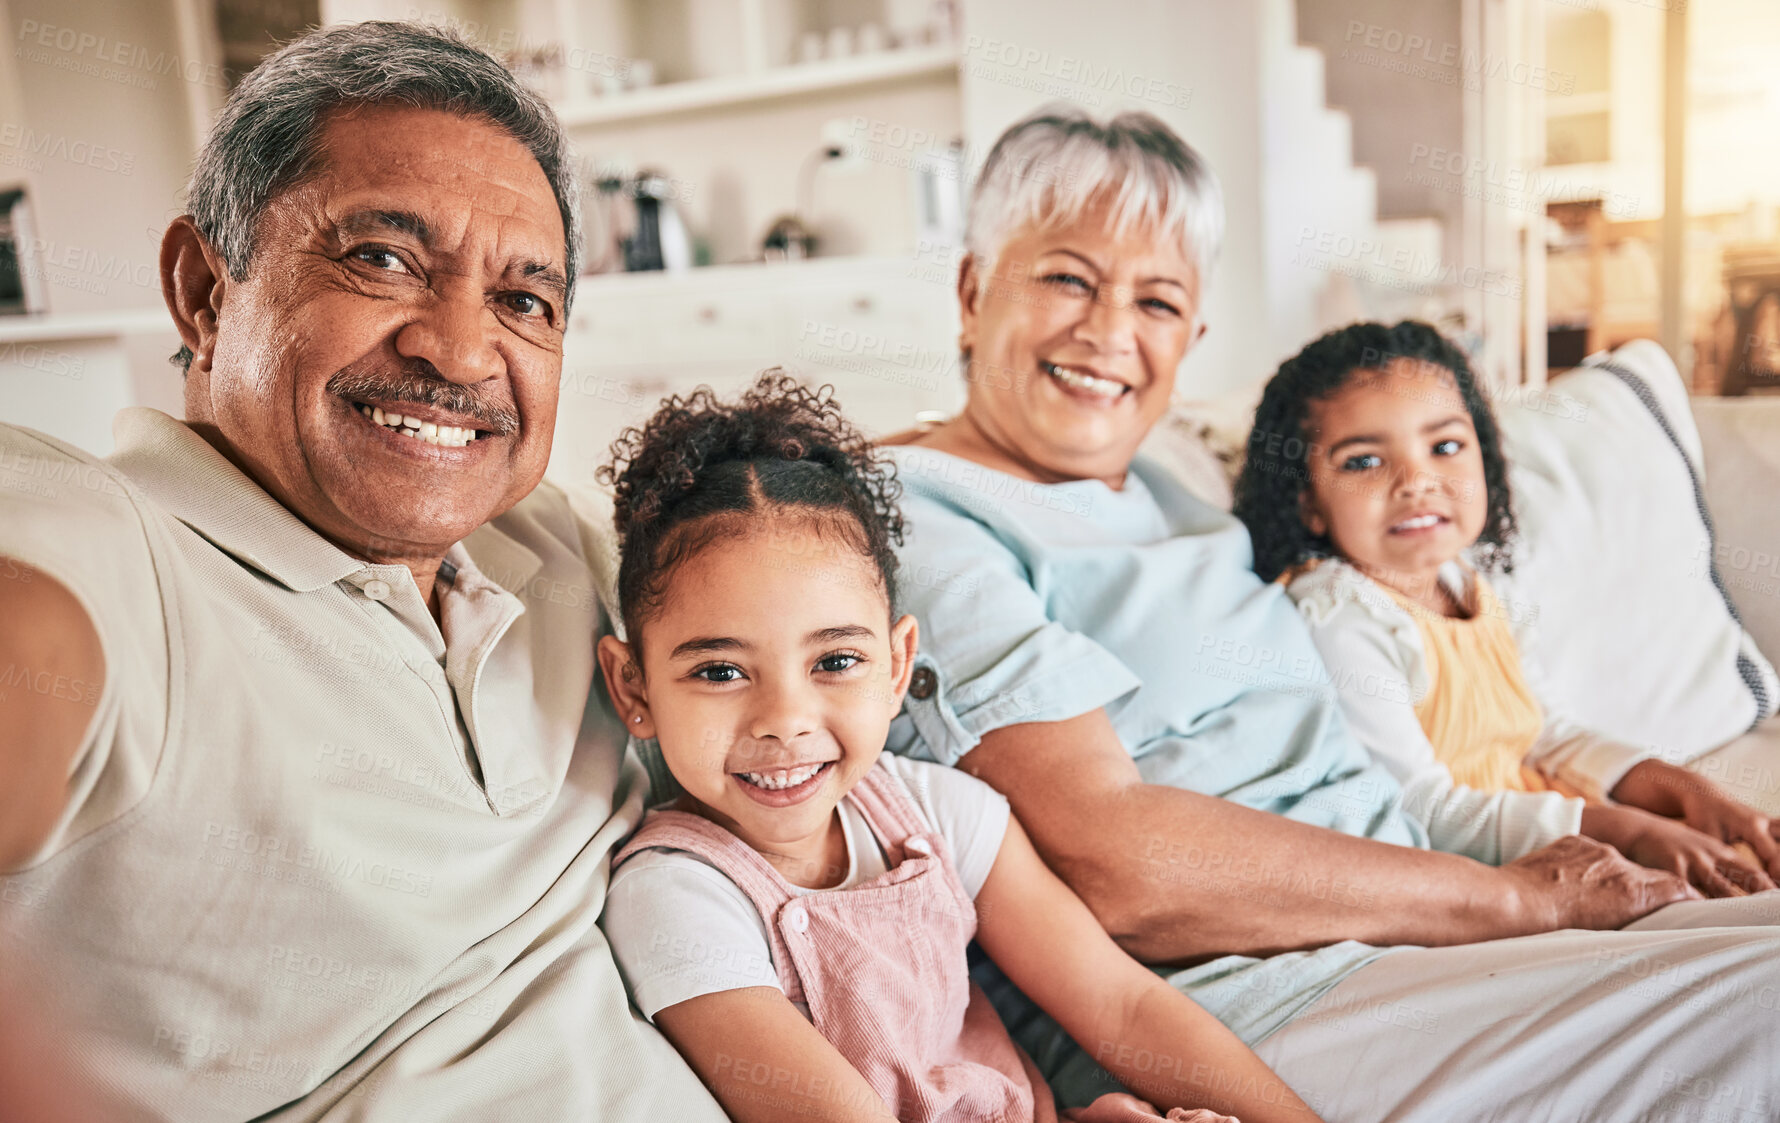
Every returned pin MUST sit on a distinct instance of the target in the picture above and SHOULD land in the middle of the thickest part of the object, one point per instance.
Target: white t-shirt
(679, 928)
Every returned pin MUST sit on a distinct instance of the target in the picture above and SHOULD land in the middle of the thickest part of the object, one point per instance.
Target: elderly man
(309, 787)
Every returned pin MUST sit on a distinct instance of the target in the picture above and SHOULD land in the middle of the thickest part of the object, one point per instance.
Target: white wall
(94, 120)
(1734, 112)
(1395, 110)
(103, 141)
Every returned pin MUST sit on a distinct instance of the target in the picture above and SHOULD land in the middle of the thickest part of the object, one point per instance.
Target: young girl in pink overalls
(797, 922)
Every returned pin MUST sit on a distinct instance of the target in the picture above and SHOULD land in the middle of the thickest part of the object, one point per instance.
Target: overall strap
(890, 810)
(736, 860)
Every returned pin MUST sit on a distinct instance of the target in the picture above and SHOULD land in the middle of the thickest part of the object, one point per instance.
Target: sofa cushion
(1742, 445)
(1635, 636)
(1190, 449)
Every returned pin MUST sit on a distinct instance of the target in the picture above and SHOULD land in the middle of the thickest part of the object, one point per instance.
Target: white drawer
(887, 399)
(675, 326)
(598, 403)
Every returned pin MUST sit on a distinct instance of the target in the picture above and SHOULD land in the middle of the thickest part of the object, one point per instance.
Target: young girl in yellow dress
(1375, 486)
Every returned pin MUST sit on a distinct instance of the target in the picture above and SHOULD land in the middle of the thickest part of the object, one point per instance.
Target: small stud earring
(638, 720)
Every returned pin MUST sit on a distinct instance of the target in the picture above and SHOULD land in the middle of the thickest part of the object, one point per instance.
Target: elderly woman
(1097, 647)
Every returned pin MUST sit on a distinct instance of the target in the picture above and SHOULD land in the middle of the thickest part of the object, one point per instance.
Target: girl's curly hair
(1276, 471)
(702, 467)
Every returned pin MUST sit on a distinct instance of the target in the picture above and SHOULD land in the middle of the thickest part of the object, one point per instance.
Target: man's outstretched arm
(1175, 876)
(51, 671)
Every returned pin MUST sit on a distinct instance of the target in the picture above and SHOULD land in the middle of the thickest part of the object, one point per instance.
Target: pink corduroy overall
(881, 966)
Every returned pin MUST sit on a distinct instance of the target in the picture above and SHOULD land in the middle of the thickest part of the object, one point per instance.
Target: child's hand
(1708, 864)
(1121, 1107)
(1712, 812)
(1666, 790)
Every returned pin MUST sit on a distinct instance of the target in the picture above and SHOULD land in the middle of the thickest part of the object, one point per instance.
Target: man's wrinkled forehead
(438, 177)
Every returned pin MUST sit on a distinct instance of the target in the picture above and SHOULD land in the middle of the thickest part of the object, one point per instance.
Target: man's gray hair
(1046, 170)
(266, 140)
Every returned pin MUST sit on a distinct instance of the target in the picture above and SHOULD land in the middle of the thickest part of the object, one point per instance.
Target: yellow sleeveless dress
(1478, 713)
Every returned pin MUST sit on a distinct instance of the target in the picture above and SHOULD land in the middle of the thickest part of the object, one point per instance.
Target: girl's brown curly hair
(702, 467)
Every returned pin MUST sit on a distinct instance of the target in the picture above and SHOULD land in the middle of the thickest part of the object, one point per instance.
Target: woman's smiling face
(1073, 341)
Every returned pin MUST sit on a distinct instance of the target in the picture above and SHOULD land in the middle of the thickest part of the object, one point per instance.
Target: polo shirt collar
(502, 559)
(196, 484)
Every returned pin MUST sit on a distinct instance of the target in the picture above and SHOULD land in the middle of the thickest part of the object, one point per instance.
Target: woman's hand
(1707, 863)
(1664, 789)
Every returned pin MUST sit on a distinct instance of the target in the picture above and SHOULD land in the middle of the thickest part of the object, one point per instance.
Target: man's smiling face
(418, 274)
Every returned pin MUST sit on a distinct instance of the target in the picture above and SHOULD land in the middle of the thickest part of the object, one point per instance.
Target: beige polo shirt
(325, 858)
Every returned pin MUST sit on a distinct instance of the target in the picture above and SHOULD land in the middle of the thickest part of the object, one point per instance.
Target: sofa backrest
(1741, 439)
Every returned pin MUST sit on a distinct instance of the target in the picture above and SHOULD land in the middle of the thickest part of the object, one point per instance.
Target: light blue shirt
(1042, 602)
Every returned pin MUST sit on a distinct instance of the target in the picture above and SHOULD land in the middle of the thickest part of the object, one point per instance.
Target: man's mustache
(423, 385)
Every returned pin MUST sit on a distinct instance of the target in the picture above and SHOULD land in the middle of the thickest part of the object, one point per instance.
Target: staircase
(1331, 258)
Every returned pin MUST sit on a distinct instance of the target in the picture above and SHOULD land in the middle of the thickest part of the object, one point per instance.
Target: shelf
(779, 82)
(86, 325)
(1577, 105)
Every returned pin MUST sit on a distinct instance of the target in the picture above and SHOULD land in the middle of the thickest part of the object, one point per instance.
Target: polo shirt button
(923, 684)
(377, 589)
(797, 918)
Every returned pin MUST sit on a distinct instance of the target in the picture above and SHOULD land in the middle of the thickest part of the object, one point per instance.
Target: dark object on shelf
(1752, 277)
(610, 218)
(1566, 345)
(659, 240)
(635, 226)
(21, 277)
(788, 240)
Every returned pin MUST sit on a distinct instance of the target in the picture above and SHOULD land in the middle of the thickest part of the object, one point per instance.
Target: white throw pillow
(1635, 638)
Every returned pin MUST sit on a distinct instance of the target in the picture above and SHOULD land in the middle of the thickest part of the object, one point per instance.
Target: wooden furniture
(1752, 278)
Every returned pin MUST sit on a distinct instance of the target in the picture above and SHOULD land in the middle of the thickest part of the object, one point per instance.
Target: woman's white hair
(1046, 170)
